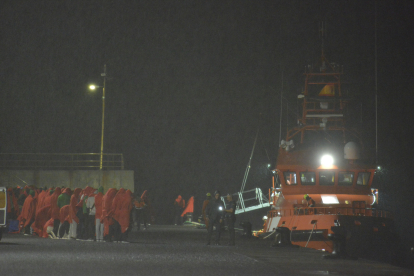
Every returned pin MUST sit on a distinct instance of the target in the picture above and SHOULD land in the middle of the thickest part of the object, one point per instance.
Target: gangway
(246, 201)
(250, 200)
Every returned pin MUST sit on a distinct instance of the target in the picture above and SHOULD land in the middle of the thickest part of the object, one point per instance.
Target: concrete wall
(72, 179)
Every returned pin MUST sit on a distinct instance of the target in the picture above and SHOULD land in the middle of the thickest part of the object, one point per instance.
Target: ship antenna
(281, 110)
(376, 90)
(322, 34)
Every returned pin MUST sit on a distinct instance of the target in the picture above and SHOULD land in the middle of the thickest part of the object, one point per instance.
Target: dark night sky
(189, 80)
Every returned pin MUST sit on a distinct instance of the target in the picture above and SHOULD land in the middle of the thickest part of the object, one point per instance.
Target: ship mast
(323, 101)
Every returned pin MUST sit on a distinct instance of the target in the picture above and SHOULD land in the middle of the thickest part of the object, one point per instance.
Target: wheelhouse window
(290, 178)
(307, 178)
(363, 178)
(326, 178)
(345, 178)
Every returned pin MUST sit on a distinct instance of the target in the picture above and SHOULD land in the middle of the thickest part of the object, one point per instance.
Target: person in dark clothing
(179, 205)
(215, 217)
(63, 229)
(21, 199)
(139, 212)
(204, 210)
(64, 222)
(115, 231)
(80, 230)
(230, 218)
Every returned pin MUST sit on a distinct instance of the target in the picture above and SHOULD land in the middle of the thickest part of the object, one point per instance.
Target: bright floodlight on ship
(327, 160)
(379, 168)
(221, 208)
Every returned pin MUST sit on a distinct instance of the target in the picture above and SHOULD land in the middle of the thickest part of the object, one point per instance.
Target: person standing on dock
(215, 217)
(99, 226)
(179, 205)
(123, 216)
(73, 210)
(230, 219)
(148, 213)
(55, 210)
(90, 216)
(139, 206)
(27, 215)
(114, 214)
(205, 205)
(106, 212)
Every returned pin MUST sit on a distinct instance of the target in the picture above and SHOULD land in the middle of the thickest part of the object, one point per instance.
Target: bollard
(247, 229)
(282, 237)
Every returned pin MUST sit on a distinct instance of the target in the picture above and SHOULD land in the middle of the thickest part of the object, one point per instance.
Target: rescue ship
(324, 158)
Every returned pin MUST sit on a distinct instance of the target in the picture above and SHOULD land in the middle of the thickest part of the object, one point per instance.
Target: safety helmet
(208, 194)
(305, 196)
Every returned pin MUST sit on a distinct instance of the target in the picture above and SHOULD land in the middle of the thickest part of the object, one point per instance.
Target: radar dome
(351, 151)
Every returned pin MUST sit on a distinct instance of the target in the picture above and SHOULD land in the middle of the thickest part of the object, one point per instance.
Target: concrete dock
(173, 250)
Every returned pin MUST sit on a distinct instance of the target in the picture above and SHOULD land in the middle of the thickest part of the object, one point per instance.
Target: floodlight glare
(221, 208)
(327, 160)
(92, 87)
(329, 199)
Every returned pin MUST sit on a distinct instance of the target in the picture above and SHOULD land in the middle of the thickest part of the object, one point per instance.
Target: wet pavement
(173, 250)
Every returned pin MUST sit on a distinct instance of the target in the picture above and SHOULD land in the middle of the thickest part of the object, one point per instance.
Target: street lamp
(93, 87)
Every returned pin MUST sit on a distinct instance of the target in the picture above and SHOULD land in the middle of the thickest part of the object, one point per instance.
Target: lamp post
(93, 87)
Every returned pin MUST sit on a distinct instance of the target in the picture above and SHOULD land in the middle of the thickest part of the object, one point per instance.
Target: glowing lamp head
(92, 87)
(221, 208)
(327, 161)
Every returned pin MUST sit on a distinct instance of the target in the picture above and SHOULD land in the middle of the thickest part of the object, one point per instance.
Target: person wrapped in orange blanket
(106, 210)
(28, 213)
(42, 216)
(122, 215)
(73, 219)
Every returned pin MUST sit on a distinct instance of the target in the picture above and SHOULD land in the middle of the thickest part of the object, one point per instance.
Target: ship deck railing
(346, 211)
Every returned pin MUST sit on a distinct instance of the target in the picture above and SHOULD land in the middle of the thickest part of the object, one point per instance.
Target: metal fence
(60, 161)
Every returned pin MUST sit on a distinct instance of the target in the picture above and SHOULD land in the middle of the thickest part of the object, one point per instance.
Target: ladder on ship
(253, 199)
